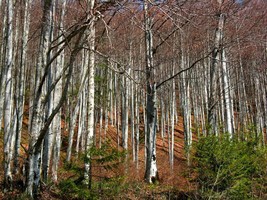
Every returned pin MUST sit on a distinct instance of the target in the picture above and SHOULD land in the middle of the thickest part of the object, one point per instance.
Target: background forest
(133, 99)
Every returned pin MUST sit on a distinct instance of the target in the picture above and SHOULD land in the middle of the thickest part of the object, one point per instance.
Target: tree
(8, 97)
(91, 91)
(151, 173)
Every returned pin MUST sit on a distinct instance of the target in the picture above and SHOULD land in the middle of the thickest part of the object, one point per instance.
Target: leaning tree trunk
(33, 178)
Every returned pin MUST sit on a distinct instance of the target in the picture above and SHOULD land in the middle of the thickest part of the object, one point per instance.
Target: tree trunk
(37, 118)
(57, 94)
(8, 104)
(151, 172)
(212, 84)
(21, 81)
(91, 91)
(227, 97)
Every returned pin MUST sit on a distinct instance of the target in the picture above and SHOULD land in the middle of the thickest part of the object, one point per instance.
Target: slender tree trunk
(2, 63)
(37, 120)
(72, 128)
(172, 120)
(21, 81)
(57, 94)
(133, 121)
(125, 115)
(49, 105)
(80, 123)
(91, 91)
(137, 113)
(8, 104)
(227, 96)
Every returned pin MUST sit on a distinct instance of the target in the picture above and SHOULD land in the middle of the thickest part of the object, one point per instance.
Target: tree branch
(183, 70)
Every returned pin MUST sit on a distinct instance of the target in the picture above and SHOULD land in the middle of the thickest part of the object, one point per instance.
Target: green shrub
(105, 189)
(230, 169)
(106, 159)
(70, 190)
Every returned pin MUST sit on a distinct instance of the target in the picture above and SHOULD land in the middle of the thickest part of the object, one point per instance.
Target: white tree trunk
(48, 140)
(137, 113)
(57, 94)
(2, 72)
(80, 123)
(213, 67)
(133, 121)
(91, 104)
(151, 171)
(73, 121)
(125, 111)
(227, 96)
(37, 120)
(8, 104)
(21, 81)
(172, 109)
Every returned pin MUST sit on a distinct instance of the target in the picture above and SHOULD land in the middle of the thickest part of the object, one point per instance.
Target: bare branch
(183, 70)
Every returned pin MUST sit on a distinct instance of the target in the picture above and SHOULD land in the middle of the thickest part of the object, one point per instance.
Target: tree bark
(212, 84)
(8, 104)
(151, 171)
(91, 103)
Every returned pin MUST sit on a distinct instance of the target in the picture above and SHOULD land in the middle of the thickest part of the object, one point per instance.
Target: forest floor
(172, 184)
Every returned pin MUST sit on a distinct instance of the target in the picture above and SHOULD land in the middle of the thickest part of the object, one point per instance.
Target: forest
(121, 99)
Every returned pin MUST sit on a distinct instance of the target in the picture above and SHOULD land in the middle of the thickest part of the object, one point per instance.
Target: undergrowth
(230, 169)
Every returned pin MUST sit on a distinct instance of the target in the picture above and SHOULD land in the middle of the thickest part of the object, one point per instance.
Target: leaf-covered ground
(173, 184)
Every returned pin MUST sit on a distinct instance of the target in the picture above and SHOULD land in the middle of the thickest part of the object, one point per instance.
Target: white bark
(151, 172)
(48, 140)
(71, 131)
(111, 96)
(125, 111)
(137, 113)
(115, 98)
(33, 177)
(21, 80)
(172, 109)
(2, 63)
(80, 123)
(8, 105)
(57, 95)
(213, 67)
(133, 121)
(91, 90)
(227, 96)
